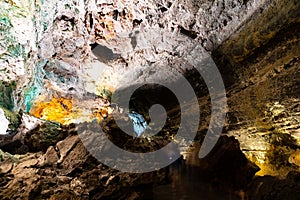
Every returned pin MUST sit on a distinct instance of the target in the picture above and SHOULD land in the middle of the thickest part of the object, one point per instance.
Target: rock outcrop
(67, 171)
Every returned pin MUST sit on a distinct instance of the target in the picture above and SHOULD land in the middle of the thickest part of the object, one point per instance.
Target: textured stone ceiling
(62, 31)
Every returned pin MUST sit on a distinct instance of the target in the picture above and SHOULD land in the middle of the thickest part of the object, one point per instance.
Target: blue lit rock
(138, 122)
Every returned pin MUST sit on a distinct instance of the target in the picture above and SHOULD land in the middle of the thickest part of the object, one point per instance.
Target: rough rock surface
(63, 30)
(269, 187)
(255, 44)
(32, 135)
(264, 100)
(67, 171)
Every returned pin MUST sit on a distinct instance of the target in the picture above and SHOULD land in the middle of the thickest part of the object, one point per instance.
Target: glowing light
(67, 111)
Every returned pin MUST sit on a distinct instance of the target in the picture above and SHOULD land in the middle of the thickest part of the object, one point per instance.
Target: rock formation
(63, 62)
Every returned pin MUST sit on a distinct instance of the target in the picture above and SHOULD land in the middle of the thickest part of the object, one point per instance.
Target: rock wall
(263, 59)
(55, 51)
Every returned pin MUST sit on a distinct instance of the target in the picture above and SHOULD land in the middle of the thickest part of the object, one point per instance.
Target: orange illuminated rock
(64, 111)
(57, 109)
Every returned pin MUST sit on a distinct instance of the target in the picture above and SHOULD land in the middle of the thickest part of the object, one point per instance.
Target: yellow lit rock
(295, 158)
(57, 109)
(67, 111)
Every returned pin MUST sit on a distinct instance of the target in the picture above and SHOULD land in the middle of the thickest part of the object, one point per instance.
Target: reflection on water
(223, 175)
(187, 183)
